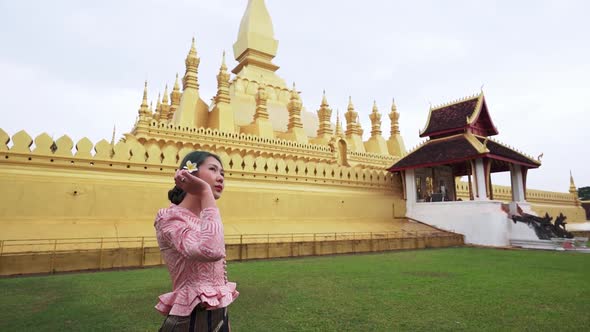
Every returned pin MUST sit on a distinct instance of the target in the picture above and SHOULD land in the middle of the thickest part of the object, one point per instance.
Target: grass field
(459, 289)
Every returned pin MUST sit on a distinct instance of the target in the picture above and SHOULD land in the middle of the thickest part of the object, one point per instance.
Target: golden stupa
(288, 171)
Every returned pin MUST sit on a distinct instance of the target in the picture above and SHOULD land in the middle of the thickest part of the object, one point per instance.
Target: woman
(190, 236)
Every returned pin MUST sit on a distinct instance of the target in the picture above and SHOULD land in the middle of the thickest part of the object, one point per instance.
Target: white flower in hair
(189, 166)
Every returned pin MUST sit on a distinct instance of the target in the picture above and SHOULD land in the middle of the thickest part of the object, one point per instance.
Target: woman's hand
(191, 184)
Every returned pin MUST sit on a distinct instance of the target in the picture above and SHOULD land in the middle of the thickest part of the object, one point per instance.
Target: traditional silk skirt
(200, 320)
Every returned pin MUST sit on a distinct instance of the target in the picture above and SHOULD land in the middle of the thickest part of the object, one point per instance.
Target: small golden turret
(261, 98)
(222, 83)
(294, 108)
(338, 131)
(375, 117)
(394, 117)
(145, 112)
(165, 106)
(157, 114)
(192, 61)
(324, 115)
(175, 98)
(573, 190)
(352, 125)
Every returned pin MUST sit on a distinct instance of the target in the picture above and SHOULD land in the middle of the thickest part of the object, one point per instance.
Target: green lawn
(460, 289)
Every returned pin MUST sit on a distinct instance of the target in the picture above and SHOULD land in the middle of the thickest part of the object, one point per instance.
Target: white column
(410, 188)
(517, 184)
(480, 179)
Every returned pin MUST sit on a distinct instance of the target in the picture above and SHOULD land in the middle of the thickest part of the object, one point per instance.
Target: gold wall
(114, 190)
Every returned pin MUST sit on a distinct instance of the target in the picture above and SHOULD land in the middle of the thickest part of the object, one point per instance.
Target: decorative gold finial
(223, 66)
(113, 138)
(394, 117)
(573, 189)
(144, 101)
(165, 98)
(338, 130)
(176, 86)
(324, 116)
(324, 100)
(193, 49)
(190, 79)
(375, 117)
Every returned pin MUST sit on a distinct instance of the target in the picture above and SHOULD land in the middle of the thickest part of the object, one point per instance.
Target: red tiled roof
(452, 119)
(506, 153)
(459, 148)
(438, 152)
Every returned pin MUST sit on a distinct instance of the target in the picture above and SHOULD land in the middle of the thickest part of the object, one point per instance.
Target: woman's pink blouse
(194, 251)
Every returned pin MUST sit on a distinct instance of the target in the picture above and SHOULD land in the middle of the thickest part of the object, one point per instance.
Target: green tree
(584, 193)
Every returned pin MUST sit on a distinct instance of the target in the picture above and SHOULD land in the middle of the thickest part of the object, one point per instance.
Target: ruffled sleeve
(201, 241)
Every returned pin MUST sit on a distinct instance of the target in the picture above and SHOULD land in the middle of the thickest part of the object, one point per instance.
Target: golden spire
(157, 115)
(256, 45)
(192, 68)
(113, 138)
(174, 98)
(145, 98)
(294, 108)
(164, 107)
(222, 95)
(144, 111)
(176, 86)
(324, 115)
(394, 117)
(324, 101)
(223, 66)
(573, 189)
(338, 130)
(352, 126)
(261, 98)
(375, 117)
(165, 98)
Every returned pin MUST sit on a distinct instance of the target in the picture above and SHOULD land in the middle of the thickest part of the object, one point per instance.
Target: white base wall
(481, 222)
(583, 226)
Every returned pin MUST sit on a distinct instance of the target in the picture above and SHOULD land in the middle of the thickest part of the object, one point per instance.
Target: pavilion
(458, 145)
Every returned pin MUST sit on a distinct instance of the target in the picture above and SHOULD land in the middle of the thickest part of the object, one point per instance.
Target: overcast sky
(78, 67)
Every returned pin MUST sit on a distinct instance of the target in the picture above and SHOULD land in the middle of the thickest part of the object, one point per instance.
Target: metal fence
(70, 254)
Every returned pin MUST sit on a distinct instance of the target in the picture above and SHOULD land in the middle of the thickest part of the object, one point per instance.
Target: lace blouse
(194, 251)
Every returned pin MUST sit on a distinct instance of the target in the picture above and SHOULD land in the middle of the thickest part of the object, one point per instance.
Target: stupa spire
(573, 189)
(165, 97)
(165, 106)
(256, 35)
(222, 95)
(192, 61)
(256, 46)
(324, 115)
(174, 98)
(294, 108)
(375, 117)
(144, 110)
(261, 98)
(352, 126)
(394, 117)
(338, 131)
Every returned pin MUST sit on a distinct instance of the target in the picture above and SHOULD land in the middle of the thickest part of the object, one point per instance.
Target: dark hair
(176, 195)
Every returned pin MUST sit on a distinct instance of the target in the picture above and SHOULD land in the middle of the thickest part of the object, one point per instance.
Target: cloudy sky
(78, 67)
